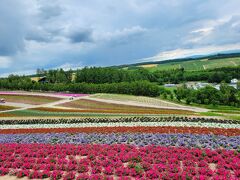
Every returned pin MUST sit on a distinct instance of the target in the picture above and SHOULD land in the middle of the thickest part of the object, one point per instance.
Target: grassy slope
(198, 64)
(140, 99)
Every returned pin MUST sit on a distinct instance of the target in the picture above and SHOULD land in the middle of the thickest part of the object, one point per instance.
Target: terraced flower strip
(115, 120)
(28, 99)
(148, 146)
(113, 109)
(4, 108)
(138, 139)
(122, 124)
(117, 161)
(136, 129)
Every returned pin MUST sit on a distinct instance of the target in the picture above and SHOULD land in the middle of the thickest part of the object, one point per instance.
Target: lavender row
(178, 140)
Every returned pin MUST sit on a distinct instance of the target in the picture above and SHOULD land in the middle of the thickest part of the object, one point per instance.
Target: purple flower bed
(178, 140)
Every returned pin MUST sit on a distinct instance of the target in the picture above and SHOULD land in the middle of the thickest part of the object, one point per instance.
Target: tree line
(143, 88)
(226, 95)
(99, 75)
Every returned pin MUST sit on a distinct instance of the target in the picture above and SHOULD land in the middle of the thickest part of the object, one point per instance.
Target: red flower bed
(125, 109)
(122, 161)
(140, 129)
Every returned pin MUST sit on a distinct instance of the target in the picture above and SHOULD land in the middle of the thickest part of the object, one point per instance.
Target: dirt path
(28, 106)
(19, 105)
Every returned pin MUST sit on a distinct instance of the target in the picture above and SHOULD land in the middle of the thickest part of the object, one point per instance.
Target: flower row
(139, 139)
(116, 119)
(112, 110)
(121, 124)
(136, 129)
(117, 161)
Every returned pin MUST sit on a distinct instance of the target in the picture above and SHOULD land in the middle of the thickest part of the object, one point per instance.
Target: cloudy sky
(76, 33)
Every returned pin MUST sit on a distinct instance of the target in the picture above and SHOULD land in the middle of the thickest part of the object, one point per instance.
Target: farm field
(111, 136)
(196, 65)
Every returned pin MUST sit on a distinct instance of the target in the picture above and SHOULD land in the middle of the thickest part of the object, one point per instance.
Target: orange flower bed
(6, 115)
(185, 130)
(127, 111)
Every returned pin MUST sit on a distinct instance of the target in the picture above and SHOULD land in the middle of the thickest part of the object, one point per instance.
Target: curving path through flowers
(65, 98)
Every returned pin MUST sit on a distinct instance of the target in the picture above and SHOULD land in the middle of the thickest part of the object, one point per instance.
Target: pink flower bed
(117, 161)
(9, 92)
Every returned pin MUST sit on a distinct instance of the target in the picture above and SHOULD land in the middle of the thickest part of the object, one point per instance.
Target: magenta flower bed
(117, 161)
(9, 92)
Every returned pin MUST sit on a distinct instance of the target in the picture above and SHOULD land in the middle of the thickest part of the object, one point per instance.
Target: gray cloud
(48, 10)
(80, 36)
(12, 27)
(46, 34)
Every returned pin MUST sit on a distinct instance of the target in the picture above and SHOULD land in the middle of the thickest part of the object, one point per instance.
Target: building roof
(37, 79)
(234, 80)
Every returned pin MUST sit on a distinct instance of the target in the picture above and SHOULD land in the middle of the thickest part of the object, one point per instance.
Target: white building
(234, 81)
(169, 85)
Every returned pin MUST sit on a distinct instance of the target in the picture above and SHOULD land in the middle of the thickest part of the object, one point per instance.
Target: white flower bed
(125, 124)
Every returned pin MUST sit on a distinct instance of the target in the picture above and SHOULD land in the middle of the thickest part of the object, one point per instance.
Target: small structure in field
(169, 85)
(39, 79)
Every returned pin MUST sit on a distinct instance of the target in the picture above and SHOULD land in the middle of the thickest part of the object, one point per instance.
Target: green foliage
(143, 88)
(227, 95)
(99, 75)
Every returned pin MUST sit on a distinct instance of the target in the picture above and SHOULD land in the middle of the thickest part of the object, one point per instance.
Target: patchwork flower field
(120, 148)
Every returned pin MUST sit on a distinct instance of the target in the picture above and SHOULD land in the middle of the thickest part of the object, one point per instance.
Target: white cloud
(26, 72)
(181, 53)
(68, 66)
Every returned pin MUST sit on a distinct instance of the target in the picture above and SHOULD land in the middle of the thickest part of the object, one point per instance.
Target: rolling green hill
(195, 65)
(191, 64)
